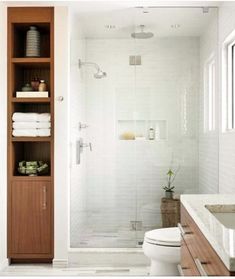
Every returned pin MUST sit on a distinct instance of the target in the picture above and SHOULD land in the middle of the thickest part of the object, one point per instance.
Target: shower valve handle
(82, 126)
(87, 145)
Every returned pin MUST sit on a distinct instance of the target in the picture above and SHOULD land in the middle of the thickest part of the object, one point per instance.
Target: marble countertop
(222, 239)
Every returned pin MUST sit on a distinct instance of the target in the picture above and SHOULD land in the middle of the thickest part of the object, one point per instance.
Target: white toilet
(162, 247)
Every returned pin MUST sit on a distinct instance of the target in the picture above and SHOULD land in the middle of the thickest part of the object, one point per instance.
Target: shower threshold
(107, 257)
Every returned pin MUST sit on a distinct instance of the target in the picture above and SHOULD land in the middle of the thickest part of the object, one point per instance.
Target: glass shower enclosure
(135, 123)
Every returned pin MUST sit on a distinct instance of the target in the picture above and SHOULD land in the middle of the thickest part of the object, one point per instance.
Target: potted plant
(169, 188)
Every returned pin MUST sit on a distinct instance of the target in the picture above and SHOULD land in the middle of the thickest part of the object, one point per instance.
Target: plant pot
(169, 195)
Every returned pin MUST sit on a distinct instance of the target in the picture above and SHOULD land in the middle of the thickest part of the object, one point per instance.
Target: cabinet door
(31, 217)
(202, 252)
(188, 267)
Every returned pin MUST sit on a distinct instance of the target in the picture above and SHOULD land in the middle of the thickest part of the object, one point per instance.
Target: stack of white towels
(31, 124)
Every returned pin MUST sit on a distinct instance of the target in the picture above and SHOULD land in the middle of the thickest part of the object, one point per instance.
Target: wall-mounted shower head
(142, 34)
(99, 74)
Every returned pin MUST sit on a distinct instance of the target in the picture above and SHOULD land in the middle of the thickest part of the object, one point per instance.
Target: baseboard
(60, 262)
(4, 264)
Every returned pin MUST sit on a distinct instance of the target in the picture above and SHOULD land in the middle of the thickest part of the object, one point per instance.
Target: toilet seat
(164, 237)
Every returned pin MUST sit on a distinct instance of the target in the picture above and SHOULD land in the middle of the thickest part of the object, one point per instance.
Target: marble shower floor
(49, 270)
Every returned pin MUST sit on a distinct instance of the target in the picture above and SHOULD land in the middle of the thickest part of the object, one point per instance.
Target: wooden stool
(170, 209)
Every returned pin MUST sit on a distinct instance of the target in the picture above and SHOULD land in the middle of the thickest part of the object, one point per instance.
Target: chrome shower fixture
(142, 34)
(99, 73)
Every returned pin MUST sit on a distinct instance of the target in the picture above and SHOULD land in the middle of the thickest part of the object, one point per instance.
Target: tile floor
(48, 270)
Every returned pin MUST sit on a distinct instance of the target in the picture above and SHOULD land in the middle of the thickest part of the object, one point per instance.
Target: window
(231, 86)
(209, 94)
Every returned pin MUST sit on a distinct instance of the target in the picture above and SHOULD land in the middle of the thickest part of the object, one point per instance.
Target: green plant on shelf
(169, 188)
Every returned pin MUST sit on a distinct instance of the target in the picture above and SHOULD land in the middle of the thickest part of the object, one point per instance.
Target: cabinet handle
(180, 269)
(44, 201)
(182, 231)
(200, 267)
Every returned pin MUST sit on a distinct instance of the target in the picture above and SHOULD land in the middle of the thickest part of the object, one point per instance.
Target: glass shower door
(103, 185)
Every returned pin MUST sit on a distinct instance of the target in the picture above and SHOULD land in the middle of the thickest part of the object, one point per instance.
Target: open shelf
(31, 100)
(37, 107)
(20, 31)
(133, 130)
(26, 72)
(30, 151)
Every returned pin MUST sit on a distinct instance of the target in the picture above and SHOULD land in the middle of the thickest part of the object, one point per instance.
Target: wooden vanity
(198, 258)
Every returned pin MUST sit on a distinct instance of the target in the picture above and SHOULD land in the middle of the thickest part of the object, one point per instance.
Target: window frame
(210, 94)
(230, 79)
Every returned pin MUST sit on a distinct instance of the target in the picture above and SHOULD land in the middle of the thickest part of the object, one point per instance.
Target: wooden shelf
(31, 139)
(31, 178)
(31, 60)
(31, 100)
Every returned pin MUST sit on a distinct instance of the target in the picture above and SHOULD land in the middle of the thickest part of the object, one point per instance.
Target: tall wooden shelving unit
(30, 199)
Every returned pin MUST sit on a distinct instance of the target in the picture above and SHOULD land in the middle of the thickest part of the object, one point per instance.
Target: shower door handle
(79, 148)
(78, 152)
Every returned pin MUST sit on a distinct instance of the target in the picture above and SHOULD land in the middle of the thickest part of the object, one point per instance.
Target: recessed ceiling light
(110, 26)
(145, 12)
(175, 26)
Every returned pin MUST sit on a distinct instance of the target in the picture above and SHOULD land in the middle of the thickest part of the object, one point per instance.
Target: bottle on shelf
(151, 133)
(42, 86)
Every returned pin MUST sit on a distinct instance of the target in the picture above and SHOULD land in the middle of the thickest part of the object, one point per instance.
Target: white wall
(208, 141)
(216, 150)
(62, 177)
(3, 135)
(227, 140)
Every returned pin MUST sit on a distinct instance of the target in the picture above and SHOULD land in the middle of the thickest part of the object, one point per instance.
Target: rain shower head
(142, 34)
(99, 74)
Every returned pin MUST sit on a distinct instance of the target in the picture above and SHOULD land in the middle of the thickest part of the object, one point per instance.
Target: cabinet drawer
(187, 267)
(202, 252)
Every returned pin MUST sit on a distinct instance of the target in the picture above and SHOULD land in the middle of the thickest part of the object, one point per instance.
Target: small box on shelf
(32, 94)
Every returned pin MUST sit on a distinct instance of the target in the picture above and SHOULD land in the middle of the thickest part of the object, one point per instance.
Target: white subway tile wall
(208, 141)
(226, 140)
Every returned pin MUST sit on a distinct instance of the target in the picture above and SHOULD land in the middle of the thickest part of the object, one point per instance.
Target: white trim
(3, 135)
(4, 264)
(225, 76)
(60, 262)
(61, 183)
(209, 103)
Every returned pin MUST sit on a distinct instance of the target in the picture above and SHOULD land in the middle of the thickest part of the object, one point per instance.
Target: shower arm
(90, 64)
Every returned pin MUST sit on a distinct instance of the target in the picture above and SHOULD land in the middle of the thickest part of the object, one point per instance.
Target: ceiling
(112, 20)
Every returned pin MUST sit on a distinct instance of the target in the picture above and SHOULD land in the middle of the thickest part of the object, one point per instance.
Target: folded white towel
(24, 133)
(31, 117)
(31, 133)
(25, 117)
(44, 117)
(31, 125)
(44, 132)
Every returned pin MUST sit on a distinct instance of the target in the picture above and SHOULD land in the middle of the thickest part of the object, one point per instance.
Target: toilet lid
(165, 237)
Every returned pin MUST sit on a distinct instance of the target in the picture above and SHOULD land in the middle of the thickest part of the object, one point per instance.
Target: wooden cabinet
(197, 255)
(30, 218)
(30, 198)
(187, 266)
